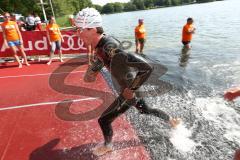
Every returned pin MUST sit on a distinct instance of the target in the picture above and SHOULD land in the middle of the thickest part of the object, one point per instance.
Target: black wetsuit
(129, 71)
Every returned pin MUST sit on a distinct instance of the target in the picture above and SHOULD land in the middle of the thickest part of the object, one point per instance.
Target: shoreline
(158, 7)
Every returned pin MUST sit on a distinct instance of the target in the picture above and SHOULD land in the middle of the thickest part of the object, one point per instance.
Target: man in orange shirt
(55, 38)
(13, 38)
(140, 36)
(187, 31)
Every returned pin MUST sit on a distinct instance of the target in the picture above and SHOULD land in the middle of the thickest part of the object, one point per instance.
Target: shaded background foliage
(66, 7)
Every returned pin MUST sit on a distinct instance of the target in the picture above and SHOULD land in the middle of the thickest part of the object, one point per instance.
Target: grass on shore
(63, 21)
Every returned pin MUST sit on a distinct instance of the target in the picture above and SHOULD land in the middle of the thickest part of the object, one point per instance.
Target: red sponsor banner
(36, 43)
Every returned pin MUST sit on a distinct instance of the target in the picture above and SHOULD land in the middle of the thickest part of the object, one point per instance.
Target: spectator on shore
(30, 22)
(71, 20)
(187, 32)
(55, 39)
(21, 24)
(13, 38)
(38, 22)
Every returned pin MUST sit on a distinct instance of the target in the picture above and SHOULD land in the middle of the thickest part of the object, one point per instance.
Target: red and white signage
(36, 43)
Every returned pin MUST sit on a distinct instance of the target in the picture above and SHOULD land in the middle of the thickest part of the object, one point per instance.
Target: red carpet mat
(49, 113)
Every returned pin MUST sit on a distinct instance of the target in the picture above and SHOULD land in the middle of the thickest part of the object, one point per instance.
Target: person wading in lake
(140, 36)
(187, 32)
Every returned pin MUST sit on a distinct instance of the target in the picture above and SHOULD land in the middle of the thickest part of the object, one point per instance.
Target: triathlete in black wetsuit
(129, 70)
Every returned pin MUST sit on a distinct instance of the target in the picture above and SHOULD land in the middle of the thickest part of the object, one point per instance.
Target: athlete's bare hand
(90, 76)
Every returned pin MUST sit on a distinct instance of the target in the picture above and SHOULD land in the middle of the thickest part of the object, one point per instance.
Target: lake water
(211, 126)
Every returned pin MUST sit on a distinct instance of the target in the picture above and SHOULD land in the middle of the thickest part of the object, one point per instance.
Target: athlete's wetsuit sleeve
(92, 71)
(97, 65)
(144, 69)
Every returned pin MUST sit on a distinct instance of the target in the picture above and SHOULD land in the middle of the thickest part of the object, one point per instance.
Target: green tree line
(66, 7)
(134, 5)
(61, 7)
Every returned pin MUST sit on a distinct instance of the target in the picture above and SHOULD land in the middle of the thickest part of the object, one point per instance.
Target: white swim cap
(88, 18)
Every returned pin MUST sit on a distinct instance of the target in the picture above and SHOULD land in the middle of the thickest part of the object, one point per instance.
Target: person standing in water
(187, 32)
(12, 37)
(109, 53)
(140, 36)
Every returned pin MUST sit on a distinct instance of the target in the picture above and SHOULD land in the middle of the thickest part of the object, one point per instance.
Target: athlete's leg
(137, 45)
(53, 47)
(21, 49)
(145, 109)
(142, 41)
(60, 55)
(14, 49)
(58, 47)
(118, 107)
(188, 46)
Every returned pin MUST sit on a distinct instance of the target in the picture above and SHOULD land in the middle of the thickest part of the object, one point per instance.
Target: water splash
(216, 110)
(180, 138)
